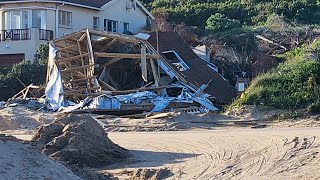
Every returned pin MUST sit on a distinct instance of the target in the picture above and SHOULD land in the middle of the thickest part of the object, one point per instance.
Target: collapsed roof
(199, 72)
(127, 72)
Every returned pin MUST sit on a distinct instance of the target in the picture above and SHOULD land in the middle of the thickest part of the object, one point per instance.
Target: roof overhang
(81, 5)
(61, 2)
(144, 9)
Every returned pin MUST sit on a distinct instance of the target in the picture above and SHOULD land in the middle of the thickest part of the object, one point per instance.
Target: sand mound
(19, 161)
(79, 140)
(251, 112)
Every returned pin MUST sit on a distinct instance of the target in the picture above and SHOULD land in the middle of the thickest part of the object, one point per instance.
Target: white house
(27, 23)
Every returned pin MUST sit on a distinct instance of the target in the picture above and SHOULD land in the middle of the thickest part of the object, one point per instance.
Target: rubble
(79, 140)
(120, 73)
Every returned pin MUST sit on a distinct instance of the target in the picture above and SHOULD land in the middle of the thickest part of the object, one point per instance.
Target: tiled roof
(199, 73)
(90, 3)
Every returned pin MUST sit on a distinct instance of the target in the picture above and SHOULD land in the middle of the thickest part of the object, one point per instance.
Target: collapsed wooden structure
(95, 63)
(79, 52)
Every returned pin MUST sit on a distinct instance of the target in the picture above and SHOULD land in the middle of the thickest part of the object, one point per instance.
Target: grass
(294, 84)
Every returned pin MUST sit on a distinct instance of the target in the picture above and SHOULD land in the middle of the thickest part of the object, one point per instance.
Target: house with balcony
(25, 24)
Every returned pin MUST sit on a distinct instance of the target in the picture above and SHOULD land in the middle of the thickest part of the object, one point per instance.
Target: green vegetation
(247, 12)
(219, 22)
(293, 84)
(27, 72)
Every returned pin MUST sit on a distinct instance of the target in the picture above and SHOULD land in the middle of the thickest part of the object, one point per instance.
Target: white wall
(116, 10)
(49, 7)
(28, 47)
(82, 18)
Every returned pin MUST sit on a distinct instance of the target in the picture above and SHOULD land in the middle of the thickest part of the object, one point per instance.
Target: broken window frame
(182, 66)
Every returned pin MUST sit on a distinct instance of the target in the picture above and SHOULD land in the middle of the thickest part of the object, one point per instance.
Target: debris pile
(79, 140)
(119, 73)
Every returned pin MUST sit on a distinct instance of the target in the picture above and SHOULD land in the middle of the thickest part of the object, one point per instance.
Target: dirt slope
(291, 153)
(18, 161)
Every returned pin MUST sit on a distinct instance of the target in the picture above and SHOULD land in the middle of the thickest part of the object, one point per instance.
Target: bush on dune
(293, 84)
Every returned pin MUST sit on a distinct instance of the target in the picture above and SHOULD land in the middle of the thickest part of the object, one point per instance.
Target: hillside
(293, 84)
(247, 12)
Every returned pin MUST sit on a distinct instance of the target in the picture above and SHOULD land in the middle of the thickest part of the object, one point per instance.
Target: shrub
(27, 72)
(219, 22)
(293, 84)
(314, 107)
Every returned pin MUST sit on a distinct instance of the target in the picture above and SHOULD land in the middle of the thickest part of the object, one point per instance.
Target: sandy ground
(204, 147)
(291, 153)
(19, 161)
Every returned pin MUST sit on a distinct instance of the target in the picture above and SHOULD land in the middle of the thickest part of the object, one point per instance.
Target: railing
(15, 34)
(25, 34)
(45, 34)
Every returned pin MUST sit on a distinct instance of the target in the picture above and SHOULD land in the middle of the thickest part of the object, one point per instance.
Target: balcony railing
(25, 34)
(45, 34)
(15, 34)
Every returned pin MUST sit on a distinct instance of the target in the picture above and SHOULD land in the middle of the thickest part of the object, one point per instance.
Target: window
(96, 22)
(17, 19)
(65, 18)
(39, 19)
(125, 26)
(176, 60)
(110, 25)
(7, 21)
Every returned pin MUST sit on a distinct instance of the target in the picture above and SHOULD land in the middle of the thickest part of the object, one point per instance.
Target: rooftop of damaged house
(103, 68)
(117, 73)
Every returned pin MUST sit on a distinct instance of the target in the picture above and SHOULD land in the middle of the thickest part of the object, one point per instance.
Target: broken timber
(94, 64)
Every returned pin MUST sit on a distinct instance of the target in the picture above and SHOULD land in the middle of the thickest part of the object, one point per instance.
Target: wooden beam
(76, 68)
(78, 80)
(107, 46)
(124, 55)
(143, 64)
(73, 58)
(84, 35)
(155, 72)
(107, 85)
(114, 35)
(271, 42)
(90, 51)
(67, 48)
(112, 61)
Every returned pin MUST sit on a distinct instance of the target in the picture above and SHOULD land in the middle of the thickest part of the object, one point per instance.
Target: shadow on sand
(151, 159)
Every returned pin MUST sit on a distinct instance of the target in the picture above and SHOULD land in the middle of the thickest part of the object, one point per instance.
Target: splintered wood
(76, 64)
(92, 63)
